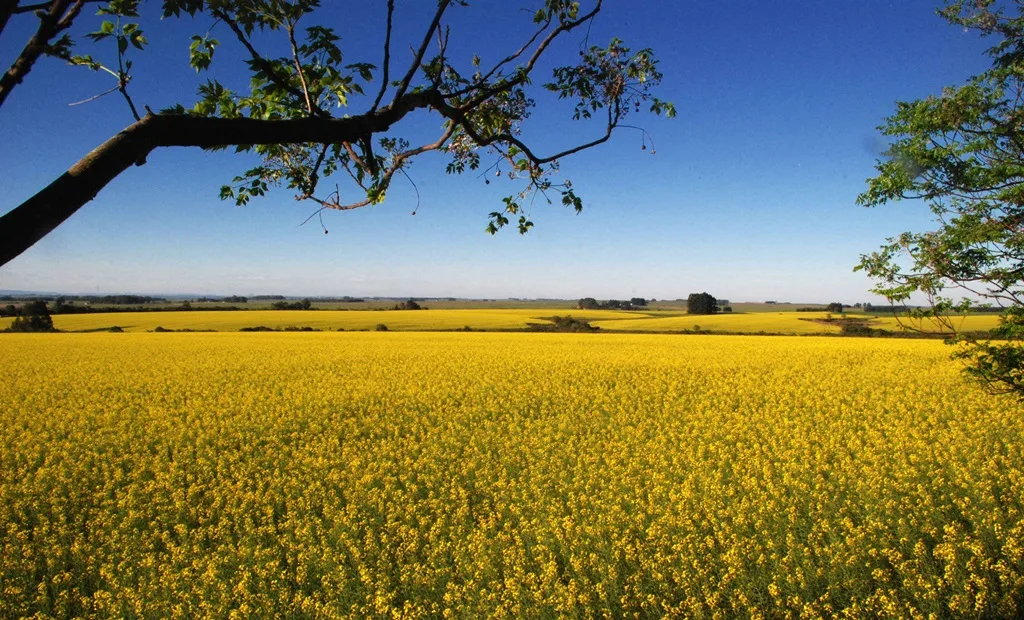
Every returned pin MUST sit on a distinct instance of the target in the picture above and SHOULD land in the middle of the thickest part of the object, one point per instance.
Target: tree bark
(29, 222)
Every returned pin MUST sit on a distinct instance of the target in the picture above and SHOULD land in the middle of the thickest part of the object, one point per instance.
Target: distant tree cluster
(701, 303)
(564, 324)
(291, 328)
(32, 317)
(589, 303)
(303, 304)
(874, 308)
(409, 305)
(835, 307)
(60, 300)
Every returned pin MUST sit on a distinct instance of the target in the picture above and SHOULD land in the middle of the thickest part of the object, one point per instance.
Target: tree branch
(298, 66)
(36, 217)
(463, 121)
(7, 8)
(262, 62)
(396, 165)
(418, 57)
(58, 18)
(524, 73)
(387, 58)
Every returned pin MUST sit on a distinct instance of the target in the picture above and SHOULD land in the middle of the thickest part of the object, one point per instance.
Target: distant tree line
(835, 307)
(231, 299)
(410, 304)
(589, 303)
(62, 307)
(92, 299)
(303, 304)
(873, 308)
(563, 324)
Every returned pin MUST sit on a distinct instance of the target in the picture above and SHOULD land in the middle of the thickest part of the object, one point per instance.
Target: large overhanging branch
(486, 110)
(26, 224)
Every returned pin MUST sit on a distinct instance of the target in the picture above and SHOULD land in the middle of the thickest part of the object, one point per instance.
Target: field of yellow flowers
(448, 319)
(503, 475)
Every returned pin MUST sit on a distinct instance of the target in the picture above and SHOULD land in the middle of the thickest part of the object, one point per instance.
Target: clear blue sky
(750, 195)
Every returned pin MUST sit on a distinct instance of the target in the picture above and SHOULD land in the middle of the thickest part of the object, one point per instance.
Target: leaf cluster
(962, 153)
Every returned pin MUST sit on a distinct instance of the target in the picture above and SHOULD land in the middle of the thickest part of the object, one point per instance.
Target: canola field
(791, 323)
(470, 475)
(331, 320)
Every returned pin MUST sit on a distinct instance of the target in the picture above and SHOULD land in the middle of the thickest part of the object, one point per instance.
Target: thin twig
(418, 55)
(94, 97)
(298, 66)
(387, 58)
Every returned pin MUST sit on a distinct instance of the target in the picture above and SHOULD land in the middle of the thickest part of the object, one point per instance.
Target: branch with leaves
(290, 123)
(54, 18)
(962, 153)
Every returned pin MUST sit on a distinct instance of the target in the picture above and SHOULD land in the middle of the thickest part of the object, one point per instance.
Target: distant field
(784, 323)
(404, 320)
(791, 323)
(974, 322)
(755, 322)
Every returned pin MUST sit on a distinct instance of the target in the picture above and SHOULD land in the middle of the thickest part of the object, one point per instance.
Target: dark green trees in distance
(32, 317)
(701, 303)
(961, 152)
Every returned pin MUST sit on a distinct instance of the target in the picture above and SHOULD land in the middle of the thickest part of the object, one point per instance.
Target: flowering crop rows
(503, 475)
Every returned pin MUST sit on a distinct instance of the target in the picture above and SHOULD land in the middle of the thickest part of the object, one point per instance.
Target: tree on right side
(962, 153)
(701, 303)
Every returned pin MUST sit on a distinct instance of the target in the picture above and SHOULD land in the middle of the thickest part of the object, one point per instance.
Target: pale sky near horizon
(750, 195)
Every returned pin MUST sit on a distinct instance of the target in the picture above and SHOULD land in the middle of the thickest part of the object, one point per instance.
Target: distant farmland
(792, 323)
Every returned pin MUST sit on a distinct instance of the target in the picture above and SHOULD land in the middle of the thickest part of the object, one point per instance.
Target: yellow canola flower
(421, 475)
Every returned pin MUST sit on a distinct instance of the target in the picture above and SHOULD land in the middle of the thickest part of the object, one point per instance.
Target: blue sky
(750, 194)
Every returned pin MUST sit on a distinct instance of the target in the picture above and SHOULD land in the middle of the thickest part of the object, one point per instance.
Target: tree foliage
(33, 317)
(962, 153)
(701, 303)
(310, 114)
